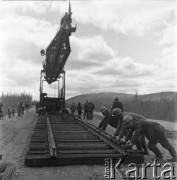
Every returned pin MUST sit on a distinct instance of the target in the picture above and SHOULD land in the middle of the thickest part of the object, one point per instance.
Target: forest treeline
(11, 100)
(162, 108)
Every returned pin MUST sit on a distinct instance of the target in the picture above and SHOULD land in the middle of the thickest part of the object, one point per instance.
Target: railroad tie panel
(58, 142)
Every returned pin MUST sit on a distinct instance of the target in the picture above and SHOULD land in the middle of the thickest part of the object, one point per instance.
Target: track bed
(58, 142)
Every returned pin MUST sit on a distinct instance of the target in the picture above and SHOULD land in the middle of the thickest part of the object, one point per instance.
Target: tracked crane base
(58, 142)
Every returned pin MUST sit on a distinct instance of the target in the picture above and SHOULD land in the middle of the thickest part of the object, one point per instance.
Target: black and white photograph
(88, 89)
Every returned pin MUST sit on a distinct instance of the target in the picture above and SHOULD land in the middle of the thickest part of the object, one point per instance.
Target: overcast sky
(119, 46)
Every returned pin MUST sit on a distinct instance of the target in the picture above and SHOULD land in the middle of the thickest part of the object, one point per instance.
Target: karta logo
(134, 171)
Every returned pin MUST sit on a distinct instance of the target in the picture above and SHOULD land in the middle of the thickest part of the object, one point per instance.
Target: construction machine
(56, 55)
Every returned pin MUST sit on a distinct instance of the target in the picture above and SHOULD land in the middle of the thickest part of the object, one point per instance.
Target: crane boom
(57, 54)
(59, 49)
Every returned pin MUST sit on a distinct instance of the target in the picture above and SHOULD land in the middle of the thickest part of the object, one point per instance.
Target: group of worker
(135, 128)
(21, 107)
(11, 111)
(88, 108)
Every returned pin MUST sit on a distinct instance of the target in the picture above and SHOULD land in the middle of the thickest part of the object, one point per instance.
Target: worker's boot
(173, 154)
(157, 152)
(138, 145)
(145, 149)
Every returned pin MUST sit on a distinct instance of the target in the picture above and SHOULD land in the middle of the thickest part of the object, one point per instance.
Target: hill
(109, 97)
(153, 106)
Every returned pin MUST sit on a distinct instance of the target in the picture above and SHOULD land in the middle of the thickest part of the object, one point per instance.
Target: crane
(56, 54)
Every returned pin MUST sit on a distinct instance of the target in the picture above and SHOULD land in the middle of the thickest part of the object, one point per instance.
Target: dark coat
(117, 104)
(113, 121)
(152, 130)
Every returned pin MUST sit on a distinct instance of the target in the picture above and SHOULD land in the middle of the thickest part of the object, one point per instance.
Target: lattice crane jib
(59, 49)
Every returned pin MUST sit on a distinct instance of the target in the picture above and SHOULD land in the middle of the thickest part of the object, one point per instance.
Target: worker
(86, 109)
(27, 106)
(13, 112)
(37, 106)
(19, 108)
(154, 132)
(73, 108)
(1, 114)
(90, 108)
(65, 113)
(41, 111)
(117, 104)
(22, 107)
(79, 110)
(9, 112)
(141, 142)
(1, 111)
(115, 119)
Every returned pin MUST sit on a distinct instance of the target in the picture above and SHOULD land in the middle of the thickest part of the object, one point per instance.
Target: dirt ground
(15, 136)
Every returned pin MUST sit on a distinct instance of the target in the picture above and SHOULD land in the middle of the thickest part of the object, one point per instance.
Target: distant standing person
(1, 105)
(73, 108)
(9, 112)
(117, 104)
(22, 107)
(1, 115)
(79, 110)
(90, 110)
(19, 108)
(37, 106)
(86, 109)
(1, 112)
(27, 106)
(13, 112)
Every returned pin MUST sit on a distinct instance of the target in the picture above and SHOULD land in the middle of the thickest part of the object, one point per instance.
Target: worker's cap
(127, 119)
(116, 111)
(103, 109)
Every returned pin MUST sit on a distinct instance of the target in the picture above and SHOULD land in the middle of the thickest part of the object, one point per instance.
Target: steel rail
(101, 136)
(51, 140)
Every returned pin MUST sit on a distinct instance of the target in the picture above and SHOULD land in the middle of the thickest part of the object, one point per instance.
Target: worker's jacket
(86, 106)
(79, 108)
(151, 130)
(114, 121)
(117, 104)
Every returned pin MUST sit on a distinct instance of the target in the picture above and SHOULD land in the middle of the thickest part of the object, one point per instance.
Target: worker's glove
(117, 139)
(97, 129)
(121, 142)
(115, 134)
(112, 137)
(127, 146)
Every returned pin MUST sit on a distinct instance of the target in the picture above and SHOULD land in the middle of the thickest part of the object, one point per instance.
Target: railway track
(59, 142)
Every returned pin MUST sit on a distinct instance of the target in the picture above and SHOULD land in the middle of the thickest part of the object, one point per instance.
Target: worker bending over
(154, 132)
(116, 119)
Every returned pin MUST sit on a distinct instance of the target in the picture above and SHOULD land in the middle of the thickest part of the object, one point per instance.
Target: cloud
(23, 49)
(167, 40)
(19, 72)
(127, 67)
(89, 52)
(25, 6)
(130, 18)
